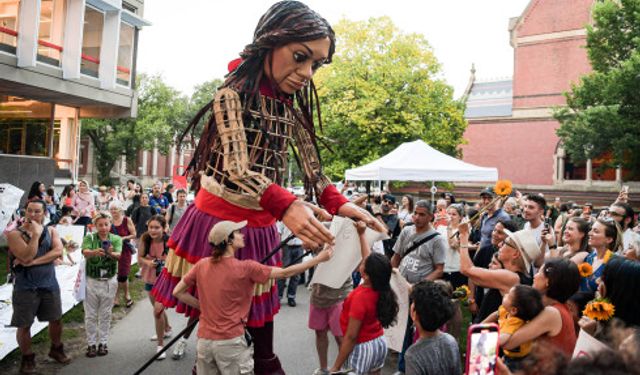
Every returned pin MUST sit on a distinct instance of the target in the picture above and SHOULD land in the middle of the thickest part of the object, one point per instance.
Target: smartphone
(625, 188)
(482, 349)
(547, 223)
(106, 244)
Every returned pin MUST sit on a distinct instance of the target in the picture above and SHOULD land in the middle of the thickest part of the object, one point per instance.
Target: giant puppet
(266, 103)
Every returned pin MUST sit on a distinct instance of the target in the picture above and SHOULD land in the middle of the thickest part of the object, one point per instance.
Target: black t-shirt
(168, 196)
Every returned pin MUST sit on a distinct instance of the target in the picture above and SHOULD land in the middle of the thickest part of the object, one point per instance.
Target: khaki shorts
(224, 357)
(27, 304)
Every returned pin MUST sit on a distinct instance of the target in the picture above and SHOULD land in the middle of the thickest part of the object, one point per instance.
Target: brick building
(510, 120)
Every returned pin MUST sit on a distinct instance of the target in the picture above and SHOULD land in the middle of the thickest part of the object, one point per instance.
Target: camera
(159, 265)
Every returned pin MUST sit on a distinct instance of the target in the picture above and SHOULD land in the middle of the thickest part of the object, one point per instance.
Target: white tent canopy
(417, 161)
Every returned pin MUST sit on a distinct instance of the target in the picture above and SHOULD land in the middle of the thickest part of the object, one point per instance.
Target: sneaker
(321, 371)
(28, 364)
(167, 334)
(162, 356)
(179, 350)
(102, 350)
(291, 302)
(58, 354)
(91, 351)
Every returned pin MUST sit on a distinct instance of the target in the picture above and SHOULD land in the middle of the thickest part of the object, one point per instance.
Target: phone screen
(106, 244)
(482, 346)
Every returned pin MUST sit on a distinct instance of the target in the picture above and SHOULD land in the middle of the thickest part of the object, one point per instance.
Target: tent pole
(433, 193)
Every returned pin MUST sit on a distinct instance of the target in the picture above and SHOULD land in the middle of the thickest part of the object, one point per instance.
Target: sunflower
(585, 269)
(607, 256)
(599, 309)
(503, 188)
(462, 293)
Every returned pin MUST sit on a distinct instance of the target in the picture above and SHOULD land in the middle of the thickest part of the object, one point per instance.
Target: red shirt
(225, 289)
(565, 341)
(361, 305)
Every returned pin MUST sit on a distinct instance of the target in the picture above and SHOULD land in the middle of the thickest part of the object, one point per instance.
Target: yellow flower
(607, 256)
(503, 188)
(599, 309)
(585, 269)
(462, 293)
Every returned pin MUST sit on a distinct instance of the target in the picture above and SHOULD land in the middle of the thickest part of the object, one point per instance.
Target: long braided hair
(285, 22)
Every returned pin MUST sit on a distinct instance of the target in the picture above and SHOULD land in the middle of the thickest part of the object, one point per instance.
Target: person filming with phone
(102, 251)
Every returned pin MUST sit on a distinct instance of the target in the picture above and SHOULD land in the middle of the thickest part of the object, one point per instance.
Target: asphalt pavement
(130, 347)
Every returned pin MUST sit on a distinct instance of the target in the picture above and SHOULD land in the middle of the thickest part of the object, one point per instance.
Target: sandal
(129, 303)
(91, 351)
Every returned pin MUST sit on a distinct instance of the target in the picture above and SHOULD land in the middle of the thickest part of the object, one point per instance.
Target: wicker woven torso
(268, 128)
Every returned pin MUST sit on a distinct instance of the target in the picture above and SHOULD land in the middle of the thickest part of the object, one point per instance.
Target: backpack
(147, 244)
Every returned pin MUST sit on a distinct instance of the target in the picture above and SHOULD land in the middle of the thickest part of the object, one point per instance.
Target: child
(65, 216)
(225, 288)
(102, 251)
(368, 308)
(520, 305)
(435, 352)
(325, 306)
(151, 257)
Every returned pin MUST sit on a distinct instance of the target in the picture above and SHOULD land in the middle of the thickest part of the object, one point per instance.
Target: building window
(9, 25)
(91, 41)
(24, 126)
(125, 53)
(51, 31)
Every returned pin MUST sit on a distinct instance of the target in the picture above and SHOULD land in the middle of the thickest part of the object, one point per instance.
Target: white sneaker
(162, 356)
(167, 334)
(179, 350)
(321, 371)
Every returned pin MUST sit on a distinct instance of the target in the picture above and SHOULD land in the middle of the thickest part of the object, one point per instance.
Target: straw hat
(527, 244)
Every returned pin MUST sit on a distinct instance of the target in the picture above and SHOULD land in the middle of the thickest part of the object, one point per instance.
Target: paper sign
(395, 333)
(73, 233)
(587, 346)
(9, 201)
(346, 253)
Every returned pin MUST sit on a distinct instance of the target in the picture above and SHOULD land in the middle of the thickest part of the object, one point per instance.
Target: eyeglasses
(617, 214)
(510, 244)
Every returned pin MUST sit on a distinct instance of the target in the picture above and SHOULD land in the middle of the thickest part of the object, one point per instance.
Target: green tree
(202, 94)
(162, 112)
(383, 88)
(603, 110)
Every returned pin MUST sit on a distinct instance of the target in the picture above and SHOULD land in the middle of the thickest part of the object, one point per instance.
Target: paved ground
(129, 346)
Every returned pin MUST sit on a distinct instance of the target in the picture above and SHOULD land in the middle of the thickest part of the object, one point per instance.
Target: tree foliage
(603, 111)
(383, 88)
(162, 112)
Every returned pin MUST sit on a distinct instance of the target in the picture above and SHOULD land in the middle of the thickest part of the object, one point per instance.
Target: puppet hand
(300, 220)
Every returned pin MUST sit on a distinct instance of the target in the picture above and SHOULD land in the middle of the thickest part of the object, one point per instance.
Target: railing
(58, 48)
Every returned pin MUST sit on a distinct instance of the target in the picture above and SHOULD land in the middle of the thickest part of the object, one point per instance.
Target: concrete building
(511, 126)
(61, 61)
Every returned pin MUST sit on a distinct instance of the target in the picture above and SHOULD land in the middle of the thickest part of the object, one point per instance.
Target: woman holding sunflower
(605, 240)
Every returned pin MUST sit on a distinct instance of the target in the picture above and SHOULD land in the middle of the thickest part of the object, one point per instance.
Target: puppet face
(291, 66)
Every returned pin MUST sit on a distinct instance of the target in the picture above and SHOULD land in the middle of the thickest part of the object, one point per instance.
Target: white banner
(587, 346)
(395, 333)
(9, 202)
(346, 254)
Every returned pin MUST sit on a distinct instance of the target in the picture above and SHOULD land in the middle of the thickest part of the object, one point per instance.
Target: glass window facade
(9, 25)
(125, 53)
(51, 31)
(91, 41)
(24, 126)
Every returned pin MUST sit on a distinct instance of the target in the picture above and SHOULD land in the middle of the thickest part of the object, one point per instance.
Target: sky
(191, 41)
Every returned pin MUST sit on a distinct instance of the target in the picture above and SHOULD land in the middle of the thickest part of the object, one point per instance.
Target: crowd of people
(537, 274)
(529, 267)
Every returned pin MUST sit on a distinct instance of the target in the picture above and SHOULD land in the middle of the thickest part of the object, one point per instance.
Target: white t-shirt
(452, 256)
